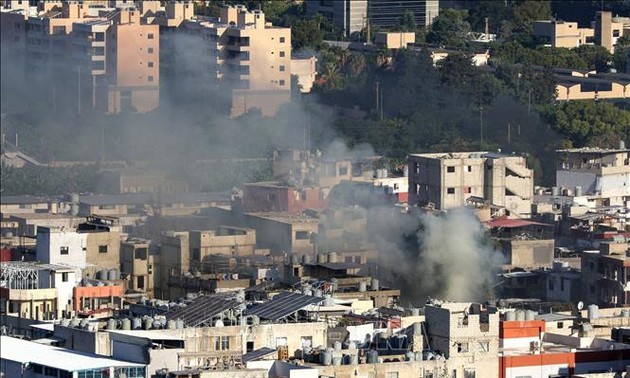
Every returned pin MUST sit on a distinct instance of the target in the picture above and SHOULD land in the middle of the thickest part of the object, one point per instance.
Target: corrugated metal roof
(23, 351)
(513, 223)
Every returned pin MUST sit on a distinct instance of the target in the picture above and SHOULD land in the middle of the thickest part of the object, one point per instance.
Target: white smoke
(444, 256)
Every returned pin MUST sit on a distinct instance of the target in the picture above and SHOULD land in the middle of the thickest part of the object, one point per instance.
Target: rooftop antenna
(486, 29)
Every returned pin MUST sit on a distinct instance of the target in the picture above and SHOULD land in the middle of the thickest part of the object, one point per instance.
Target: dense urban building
(447, 180)
(353, 16)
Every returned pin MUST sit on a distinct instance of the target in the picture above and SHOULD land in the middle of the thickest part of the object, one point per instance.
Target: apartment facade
(87, 57)
(244, 57)
(595, 171)
(139, 265)
(351, 16)
(604, 31)
(446, 180)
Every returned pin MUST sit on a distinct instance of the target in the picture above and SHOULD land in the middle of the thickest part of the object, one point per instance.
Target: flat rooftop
(23, 351)
(593, 150)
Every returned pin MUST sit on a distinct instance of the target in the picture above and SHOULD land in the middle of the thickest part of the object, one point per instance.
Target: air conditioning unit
(534, 346)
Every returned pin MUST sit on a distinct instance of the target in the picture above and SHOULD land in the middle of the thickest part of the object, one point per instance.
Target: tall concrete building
(243, 56)
(447, 180)
(93, 57)
(595, 171)
(351, 16)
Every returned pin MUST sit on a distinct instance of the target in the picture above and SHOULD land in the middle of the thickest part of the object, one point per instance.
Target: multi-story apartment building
(242, 55)
(86, 55)
(446, 180)
(606, 275)
(138, 264)
(351, 16)
(604, 31)
(595, 171)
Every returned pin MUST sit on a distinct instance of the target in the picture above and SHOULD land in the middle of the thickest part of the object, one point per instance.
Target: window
(150, 78)
(140, 282)
(281, 82)
(195, 254)
(150, 50)
(550, 284)
(107, 207)
(469, 168)
(485, 346)
(450, 190)
(281, 68)
(141, 253)
(560, 325)
(249, 346)
(343, 171)
(64, 250)
(150, 64)
(102, 249)
(616, 33)
(99, 37)
(467, 190)
(462, 347)
(281, 341)
(221, 343)
(301, 235)
(98, 51)
(25, 206)
(281, 54)
(392, 374)
(57, 30)
(64, 277)
(450, 169)
(417, 189)
(306, 341)
(150, 35)
(281, 39)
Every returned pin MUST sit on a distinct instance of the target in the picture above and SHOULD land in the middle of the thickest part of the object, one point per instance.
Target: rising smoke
(444, 256)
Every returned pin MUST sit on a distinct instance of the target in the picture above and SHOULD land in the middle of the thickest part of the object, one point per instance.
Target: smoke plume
(444, 256)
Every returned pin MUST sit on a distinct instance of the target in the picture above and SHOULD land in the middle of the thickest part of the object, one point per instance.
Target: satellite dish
(580, 305)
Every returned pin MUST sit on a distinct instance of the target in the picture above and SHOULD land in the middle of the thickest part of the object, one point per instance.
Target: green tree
(449, 28)
(620, 57)
(408, 22)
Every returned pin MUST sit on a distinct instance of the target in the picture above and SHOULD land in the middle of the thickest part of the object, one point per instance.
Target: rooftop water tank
(520, 315)
(593, 311)
(306, 259)
(318, 293)
(295, 259)
(353, 359)
(530, 315)
(415, 312)
(126, 324)
(410, 356)
(332, 257)
(111, 324)
(555, 191)
(101, 274)
(328, 300)
(375, 284)
(372, 356)
(136, 323)
(578, 191)
(337, 345)
(322, 258)
(362, 286)
(179, 324)
(336, 360)
(510, 316)
(326, 357)
(113, 275)
(148, 323)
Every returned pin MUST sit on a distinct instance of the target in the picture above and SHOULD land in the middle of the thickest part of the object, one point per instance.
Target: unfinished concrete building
(446, 180)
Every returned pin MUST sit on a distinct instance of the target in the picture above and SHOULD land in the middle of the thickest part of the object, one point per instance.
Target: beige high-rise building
(243, 56)
(447, 180)
(92, 57)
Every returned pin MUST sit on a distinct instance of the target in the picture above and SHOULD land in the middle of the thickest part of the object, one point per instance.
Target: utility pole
(509, 132)
(79, 88)
(487, 29)
(529, 103)
(382, 116)
(377, 95)
(480, 125)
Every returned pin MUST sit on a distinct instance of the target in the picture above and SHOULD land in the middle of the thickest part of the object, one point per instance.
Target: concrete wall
(528, 253)
(49, 244)
(109, 242)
